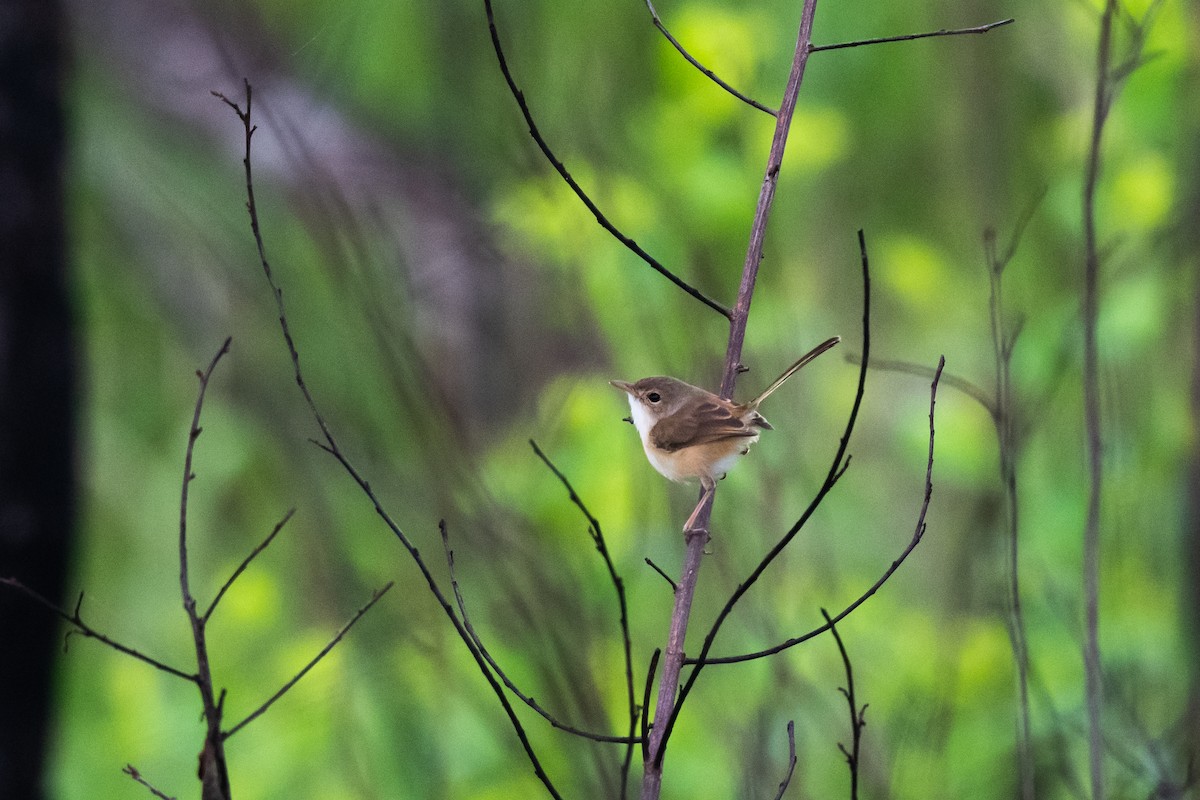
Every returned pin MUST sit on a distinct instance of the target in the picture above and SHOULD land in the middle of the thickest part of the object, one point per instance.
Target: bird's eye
(654, 397)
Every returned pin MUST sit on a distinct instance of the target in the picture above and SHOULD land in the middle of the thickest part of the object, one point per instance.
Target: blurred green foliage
(435, 365)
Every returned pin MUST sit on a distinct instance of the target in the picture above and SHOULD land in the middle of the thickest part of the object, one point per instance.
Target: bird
(690, 433)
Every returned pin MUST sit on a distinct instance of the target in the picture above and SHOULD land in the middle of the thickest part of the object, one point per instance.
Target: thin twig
(312, 663)
(787, 779)
(622, 608)
(1093, 683)
(519, 96)
(857, 715)
(512, 687)
(188, 476)
(132, 772)
(665, 576)
(246, 562)
(646, 703)
(330, 446)
(911, 36)
(666, 707)
(658, 23)
(82, 628)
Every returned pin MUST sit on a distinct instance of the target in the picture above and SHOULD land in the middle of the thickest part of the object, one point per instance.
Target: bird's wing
(711, 423)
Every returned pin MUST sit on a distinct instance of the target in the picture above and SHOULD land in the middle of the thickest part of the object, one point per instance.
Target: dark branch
(658, 23)
(911, 36)
(665, 576)
(315, 660)
(622, 607)
(246, 562)
(81, 627)
(566, 176)
(188, 476)
(524, 698)
(646, 702)
(857, 716)
(791, 729)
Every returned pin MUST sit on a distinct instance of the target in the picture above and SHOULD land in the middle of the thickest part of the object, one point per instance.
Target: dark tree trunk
(37, 379)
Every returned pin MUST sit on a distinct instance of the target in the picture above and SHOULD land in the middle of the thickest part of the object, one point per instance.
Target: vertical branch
(858, 719)
(1003, 412)
(214, 773)
(696, 539)
(1091, 401)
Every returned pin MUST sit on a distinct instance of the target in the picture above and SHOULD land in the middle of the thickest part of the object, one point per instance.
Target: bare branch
(519, 96)
(524, 698)
(317, 658)
(246, 562)
(132, 772)
(666, 707)
(665, 576)
(911, 36)
(857, 715)
(184, 582)
(622, 608)
(646, 703)
(787, 779)
(81, 627)
(330, 446)
(658, 23)
(215, 770)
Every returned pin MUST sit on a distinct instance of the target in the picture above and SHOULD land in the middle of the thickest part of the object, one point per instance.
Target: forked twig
(330, 446)
(82, 628)
(214, 771)
(857, 715)
(658, 23)
(633, 246)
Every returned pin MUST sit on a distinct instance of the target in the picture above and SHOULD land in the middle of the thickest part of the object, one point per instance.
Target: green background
(451, 300)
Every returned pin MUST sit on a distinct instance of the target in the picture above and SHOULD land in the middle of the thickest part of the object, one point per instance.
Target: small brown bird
(689, 432)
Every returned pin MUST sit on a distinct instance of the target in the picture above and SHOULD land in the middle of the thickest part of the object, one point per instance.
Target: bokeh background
(452, 300)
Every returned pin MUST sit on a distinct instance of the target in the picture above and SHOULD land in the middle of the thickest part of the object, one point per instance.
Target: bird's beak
(626, 387)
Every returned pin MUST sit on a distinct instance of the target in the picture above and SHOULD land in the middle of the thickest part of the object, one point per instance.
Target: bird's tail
(794, 368)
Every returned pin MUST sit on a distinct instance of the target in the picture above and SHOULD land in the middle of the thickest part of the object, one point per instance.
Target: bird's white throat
(642, 419)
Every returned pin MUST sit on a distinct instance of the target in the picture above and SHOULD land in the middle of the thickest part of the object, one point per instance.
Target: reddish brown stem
(673, 655)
